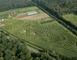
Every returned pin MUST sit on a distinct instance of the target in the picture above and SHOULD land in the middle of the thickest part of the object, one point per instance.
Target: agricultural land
(41, 30)
(71, 18)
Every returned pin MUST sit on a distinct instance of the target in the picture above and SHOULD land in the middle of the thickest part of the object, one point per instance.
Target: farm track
(32, 49)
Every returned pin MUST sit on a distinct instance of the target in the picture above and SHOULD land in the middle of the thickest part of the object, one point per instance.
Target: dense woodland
(11, 4)
(60, 6)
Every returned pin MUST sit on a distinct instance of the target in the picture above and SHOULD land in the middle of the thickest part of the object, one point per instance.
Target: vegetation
(46, 7)
(51, 36)
(72, 18)
(12, 48)
(52, 39)
(11, 4)
(5, 14)
(59, 6)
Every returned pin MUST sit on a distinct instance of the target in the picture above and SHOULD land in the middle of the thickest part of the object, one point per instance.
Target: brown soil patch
(22, 16)
(34, 17)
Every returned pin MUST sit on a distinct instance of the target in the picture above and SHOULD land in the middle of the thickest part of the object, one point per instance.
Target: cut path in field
(34, 17)
(32, 49)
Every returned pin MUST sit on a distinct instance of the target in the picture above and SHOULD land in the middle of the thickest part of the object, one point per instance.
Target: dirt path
(32, 49)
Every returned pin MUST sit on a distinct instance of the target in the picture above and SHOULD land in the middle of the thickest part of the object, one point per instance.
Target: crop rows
(49, 36)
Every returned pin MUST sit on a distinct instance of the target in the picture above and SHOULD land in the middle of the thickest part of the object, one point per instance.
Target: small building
(32, 12)
(12, 13)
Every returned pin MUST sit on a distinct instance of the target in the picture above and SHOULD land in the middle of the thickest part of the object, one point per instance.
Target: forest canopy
(11, 4)
(59, 6)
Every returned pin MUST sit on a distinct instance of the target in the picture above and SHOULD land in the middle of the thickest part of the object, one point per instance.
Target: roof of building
(32, 12)
(21, 13)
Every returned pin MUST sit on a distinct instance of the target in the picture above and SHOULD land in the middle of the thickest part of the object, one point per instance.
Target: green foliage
(51, 35)
(14, 49)
(50, 6)
(71, 18)
(59, 6)
(11, 4)
(5, 14)
(48, 35)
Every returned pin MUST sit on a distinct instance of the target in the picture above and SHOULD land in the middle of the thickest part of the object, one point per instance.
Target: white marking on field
(24, 31)
(32, 12)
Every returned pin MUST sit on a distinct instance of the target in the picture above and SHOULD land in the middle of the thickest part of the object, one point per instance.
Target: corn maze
(4, 15)
(50, 35)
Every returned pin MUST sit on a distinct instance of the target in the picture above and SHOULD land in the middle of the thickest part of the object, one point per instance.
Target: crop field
(51, 35)
(71, 18)
(43, 31)
(4, 15)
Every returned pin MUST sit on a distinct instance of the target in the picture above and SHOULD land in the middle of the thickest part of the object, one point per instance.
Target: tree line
(11, 4)
(60, 6)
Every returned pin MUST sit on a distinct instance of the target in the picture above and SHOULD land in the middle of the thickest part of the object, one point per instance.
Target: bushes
(11, 4)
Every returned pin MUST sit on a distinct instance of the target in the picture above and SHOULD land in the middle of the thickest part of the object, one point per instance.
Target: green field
(4, 15)
(71, 18)
(52, 35)
(48, 34)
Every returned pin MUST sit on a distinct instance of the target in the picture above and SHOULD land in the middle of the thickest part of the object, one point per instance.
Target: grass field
(71, 18)
(48, 34)
(4, 15)
(52, 35)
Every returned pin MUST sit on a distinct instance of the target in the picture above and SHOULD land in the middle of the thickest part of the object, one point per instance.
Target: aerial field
(44, 32)
(71, 18)
(4, 15)
(52, 35)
